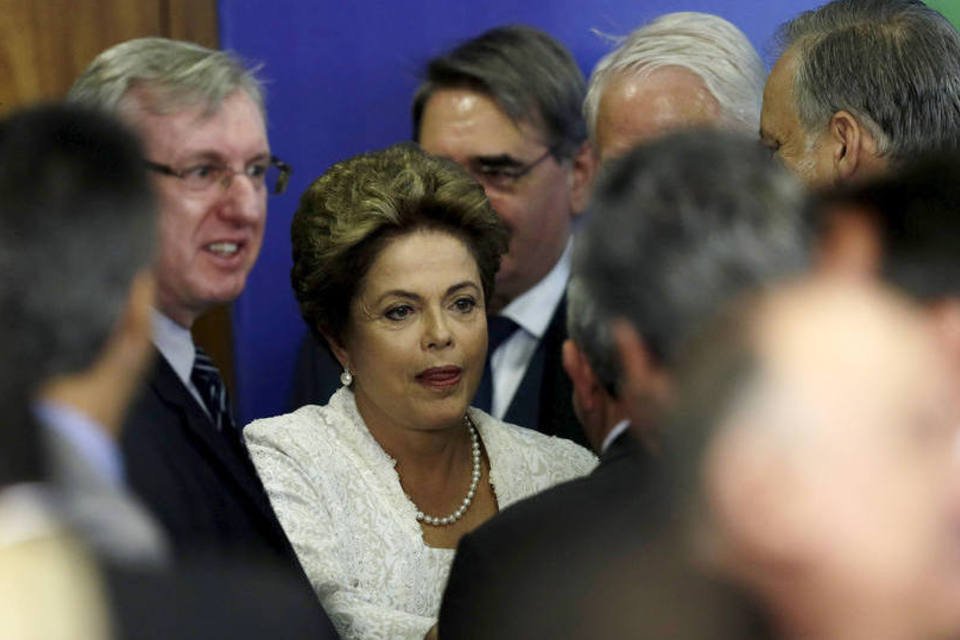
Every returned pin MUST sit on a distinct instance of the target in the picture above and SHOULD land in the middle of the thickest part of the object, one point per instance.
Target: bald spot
(636, 107)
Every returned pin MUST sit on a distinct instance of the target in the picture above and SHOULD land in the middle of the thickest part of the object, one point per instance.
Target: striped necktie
(206, 378)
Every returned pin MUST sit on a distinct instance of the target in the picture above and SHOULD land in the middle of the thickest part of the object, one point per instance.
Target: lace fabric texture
(339, 499)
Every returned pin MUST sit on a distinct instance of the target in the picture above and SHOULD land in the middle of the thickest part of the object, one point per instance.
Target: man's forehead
(778, 92)
(235, 127)
(466, 124)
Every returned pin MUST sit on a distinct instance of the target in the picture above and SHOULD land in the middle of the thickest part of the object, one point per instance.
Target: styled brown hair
(350, 212)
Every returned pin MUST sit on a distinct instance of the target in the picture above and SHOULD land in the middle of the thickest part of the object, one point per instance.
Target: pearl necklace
(438, 521)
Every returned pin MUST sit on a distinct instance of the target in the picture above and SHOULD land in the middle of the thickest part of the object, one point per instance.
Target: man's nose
(244, 200)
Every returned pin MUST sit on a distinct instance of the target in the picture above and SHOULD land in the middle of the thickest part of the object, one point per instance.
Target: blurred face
(208, 240)
(417, 335)
(782, 132)
(528, 188)
(872, 477)
(636, 109)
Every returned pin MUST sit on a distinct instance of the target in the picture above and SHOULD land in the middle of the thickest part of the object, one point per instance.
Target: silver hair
(590, 330)
(893, 64)
(707, 45)
(175, 74)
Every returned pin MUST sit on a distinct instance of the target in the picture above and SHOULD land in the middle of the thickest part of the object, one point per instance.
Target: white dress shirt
(175, 344)
(532, 310)
(614, 433)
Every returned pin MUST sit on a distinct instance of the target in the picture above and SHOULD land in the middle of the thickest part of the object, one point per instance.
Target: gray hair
(532, 78)
(893, 64)
(707, 45)
(590, 330)
(77, 222)
(176, 75)
(682, 224)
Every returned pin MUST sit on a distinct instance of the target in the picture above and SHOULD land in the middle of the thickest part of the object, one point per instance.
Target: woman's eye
(465, 305)
(400, 312)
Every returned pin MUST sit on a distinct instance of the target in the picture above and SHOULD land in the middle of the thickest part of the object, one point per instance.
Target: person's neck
(421, 455)
(178, 314)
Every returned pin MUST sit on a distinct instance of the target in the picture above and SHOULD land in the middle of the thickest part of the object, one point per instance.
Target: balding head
(681, 70)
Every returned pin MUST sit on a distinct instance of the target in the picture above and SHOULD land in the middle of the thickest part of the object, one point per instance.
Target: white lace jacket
(339, 499)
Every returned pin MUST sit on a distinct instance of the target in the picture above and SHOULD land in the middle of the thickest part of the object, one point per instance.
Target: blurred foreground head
(679, 226)
(814, 430)
(76, 240)
(903, 228)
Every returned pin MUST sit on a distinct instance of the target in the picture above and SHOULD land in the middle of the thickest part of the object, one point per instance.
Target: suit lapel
(219, 450)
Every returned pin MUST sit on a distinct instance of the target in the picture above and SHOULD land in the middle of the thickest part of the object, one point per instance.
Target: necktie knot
(206, 378)
(499, 329)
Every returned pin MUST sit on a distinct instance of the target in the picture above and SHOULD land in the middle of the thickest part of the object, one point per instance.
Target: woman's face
(416, 338)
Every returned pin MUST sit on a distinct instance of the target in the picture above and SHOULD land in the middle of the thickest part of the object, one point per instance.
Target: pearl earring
(346, 378)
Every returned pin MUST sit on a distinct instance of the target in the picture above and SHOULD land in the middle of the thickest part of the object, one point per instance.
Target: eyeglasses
(502, 172)
(274, 173)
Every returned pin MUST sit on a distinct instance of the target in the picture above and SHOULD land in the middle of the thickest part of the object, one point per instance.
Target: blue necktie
(206, 378)
(499, 329)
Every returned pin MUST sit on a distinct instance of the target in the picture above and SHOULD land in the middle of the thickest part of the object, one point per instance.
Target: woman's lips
(440, 377)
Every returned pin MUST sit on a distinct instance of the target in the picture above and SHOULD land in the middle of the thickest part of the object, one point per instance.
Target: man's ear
(643, 385)
(583, 167)
(586, 386)
(854, 151)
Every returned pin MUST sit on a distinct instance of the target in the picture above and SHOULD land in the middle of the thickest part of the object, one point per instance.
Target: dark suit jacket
(586, 559)
(198, 482)
(543, 401)
(210, 601)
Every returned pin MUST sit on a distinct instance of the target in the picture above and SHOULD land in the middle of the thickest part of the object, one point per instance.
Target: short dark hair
(76, 225)
(349, 213)
(532, 78)
(679, 226)
(916, 214)
(894, 64)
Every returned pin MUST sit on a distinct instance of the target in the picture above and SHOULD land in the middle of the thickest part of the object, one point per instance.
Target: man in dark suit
(678, 226)
(77, 233)
(200, 116)
(506, 106)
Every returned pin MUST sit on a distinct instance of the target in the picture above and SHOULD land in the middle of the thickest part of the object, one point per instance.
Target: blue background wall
(340, 76)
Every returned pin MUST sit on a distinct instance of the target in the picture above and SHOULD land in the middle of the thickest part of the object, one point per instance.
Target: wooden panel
(192, 20)
(45, 45)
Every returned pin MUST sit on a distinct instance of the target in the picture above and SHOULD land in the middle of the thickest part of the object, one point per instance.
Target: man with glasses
(200, 116)
(506, 106)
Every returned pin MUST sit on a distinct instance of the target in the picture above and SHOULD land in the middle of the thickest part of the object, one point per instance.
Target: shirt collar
(528, 309)
(175, 344)
(614, 433)
(85, 435)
